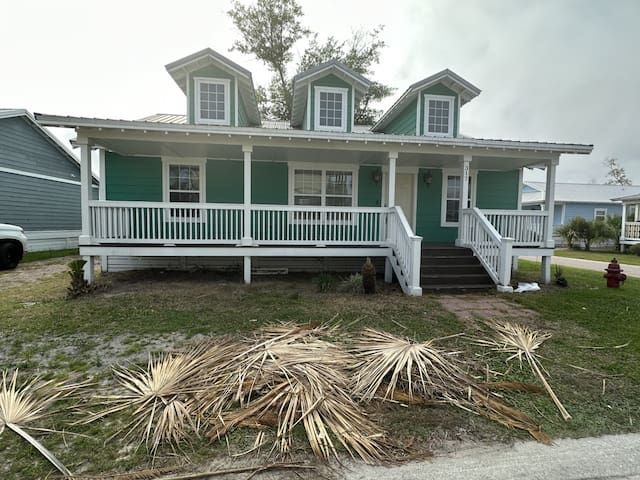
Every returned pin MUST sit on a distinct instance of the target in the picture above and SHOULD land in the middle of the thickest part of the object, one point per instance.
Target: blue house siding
(39, 205)
(23, 147)
(586, 210)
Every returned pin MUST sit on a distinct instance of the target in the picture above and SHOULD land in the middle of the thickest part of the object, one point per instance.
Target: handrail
(407, 252)
(528, 228)
(492, 249)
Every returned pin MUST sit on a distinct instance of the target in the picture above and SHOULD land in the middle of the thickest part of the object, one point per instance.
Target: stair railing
(407, 252)
(492, 249)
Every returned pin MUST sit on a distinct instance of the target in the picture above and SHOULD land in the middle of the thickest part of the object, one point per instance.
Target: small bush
(369, 277)
(560, 280)
(352, 284)
(635, 249)
(79, 286)
(326, 282)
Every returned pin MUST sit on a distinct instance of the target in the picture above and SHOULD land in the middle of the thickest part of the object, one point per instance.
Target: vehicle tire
(9, 255)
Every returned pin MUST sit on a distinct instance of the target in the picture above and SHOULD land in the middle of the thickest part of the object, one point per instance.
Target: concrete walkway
(630, 270)
(609, 457)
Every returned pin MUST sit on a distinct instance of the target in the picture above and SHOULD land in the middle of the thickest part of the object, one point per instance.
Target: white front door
(405, 195)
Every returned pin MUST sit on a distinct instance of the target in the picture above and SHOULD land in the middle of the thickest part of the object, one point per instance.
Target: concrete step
(456, 288)
(456, 279)
(444, 269)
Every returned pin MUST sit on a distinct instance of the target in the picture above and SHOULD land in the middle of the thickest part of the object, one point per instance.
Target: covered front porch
(630, 231)
(255, 192)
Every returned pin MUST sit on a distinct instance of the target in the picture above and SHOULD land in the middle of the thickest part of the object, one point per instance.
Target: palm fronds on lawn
(521, 341)
(387, 363)
(162, 397)
(22, 405)
(290, 373)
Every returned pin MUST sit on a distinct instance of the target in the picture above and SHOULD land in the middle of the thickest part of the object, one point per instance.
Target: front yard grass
(599, 255)
(136, 313)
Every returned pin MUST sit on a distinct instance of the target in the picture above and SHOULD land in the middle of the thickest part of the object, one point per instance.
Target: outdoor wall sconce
(376, 176)
(427, 178)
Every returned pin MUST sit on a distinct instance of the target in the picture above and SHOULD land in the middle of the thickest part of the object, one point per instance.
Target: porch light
(376, 176)
(427, 178)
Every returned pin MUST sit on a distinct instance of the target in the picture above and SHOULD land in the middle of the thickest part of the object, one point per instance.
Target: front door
(405, 198)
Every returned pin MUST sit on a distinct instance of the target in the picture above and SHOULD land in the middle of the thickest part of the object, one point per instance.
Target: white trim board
(316, 114)
(226, 83)
(42, 177)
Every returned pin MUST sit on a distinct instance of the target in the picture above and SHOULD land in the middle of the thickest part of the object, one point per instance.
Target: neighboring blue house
(39, 183)
(589, 201)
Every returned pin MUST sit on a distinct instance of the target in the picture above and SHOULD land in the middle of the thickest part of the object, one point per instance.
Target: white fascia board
(482, 145)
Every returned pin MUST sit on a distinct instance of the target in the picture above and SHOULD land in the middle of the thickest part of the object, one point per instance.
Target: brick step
(456, 279)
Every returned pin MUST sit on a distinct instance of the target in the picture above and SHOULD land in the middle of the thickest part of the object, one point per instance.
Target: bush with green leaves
(326, 282)
(79, 286)
(352, 284)
(588, 232)
(635, 249)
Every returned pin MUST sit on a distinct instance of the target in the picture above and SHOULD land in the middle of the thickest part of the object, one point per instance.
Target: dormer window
(212, 101)
(438, 115)
(331, 109)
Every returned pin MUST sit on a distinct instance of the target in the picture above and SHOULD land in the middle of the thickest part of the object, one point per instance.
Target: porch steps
(452, 269)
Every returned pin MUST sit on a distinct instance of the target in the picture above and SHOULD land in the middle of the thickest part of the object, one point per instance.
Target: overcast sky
(549, 70)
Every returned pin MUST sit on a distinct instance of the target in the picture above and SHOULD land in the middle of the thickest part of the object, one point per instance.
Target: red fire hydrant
(614, 274)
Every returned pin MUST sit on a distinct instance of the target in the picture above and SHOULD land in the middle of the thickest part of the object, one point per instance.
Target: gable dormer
(429, 107)
(325, 97)
(219, 91)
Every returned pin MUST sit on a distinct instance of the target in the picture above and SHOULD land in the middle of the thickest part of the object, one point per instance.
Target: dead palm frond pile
(521, 341)
(292, 376)
(162, 398)
(387, 364)
(23, 405)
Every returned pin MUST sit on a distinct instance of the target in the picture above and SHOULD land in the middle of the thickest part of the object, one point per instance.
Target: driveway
(630, 270)
(609, 457)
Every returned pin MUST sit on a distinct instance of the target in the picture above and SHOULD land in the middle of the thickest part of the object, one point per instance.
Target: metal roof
(579, 192)
(466, 90)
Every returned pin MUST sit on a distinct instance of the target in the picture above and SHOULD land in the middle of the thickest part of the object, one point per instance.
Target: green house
(221, 187)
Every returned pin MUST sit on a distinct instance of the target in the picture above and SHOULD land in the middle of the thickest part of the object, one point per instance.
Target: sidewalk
(630, 270)
(609, 457)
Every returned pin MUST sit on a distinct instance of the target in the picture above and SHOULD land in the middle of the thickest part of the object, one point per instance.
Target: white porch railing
(189, 223)
(528, 228)
(492, 249)
(632, 231)
(407, 252)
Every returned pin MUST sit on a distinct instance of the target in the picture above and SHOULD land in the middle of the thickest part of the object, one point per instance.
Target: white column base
(84, 240)
(546, 270)
(415, 291)
(246, 242)
(388, 271)
(505, 288)
(89, 269)
(514, 264)
(247, 270)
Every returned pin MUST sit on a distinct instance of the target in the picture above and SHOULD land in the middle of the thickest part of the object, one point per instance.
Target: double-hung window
(212, 101)
(600, 214)
(323, 188)
(451, 191)
(331, 109)
(438, 115)
(184, 184)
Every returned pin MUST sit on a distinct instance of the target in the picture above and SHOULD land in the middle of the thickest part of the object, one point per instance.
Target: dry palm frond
(512, 386)
(302, 379)
(424, 372)
(22, 405)
(162, 397)
(521, 341)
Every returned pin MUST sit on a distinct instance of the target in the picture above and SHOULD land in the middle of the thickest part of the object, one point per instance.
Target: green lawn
(46, 254)
(133, 314)
(599, 255)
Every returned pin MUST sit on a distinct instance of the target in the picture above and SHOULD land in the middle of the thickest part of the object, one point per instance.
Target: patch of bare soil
(31, 272)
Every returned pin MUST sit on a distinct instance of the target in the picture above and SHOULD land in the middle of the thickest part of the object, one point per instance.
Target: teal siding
(332, 81)
(440, 89)
(210, 72)
(428, 211)
(243, 121)
(225, 183)
(133, 178)
(405, 122)
(497, 190)
(369, 192)
(270, 183)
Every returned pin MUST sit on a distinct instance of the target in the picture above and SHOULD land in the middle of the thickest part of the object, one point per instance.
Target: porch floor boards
(447, 268)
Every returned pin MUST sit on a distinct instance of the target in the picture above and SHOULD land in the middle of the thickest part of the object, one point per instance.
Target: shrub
(635, 249)
(352, 284)
(560, 280)
(369, 277)
(326, 282)
(79, 286)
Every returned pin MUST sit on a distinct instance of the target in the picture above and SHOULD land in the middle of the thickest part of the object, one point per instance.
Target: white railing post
(416, 260)
(504, 275)
(247, 234)
(391, 188)
(549, 202)
(623, 229)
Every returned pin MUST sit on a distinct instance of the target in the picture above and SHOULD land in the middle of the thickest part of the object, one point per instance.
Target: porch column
(102, 196)
(549, 202)
(464, 193)
(247, 237)
(86, 180)
(623, 225)
(393, 157)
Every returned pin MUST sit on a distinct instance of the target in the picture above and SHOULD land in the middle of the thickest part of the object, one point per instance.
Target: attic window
(331, 109)
(212, 101)
(438, 115)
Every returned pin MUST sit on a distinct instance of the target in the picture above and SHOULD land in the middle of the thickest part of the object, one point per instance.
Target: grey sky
(556, 70)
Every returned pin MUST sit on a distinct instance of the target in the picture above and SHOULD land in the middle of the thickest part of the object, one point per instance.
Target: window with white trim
(600, 214)
(184, 183)
(320, 187)
(451, 191)
(212, 101)
(331, 109)
(631, 213)
(438, 115)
